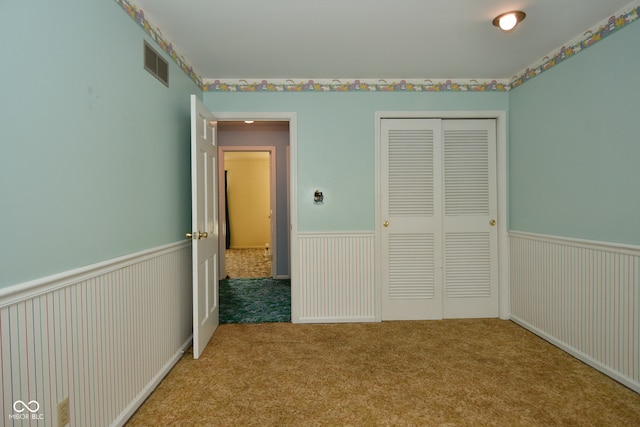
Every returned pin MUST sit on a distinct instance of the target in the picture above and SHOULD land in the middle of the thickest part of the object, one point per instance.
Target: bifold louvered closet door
(411, 208)
(438, 197)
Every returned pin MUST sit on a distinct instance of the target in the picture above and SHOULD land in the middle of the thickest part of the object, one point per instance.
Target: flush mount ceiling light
(508, 21)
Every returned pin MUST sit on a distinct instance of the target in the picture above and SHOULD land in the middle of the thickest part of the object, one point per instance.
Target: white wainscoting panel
(582, 296)
(336, 277)
(104, 336)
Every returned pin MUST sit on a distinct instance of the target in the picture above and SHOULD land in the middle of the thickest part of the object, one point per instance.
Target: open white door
(204, 225)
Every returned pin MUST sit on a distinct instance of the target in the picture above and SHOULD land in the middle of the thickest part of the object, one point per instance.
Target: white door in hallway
(204, 225)
(438, 207)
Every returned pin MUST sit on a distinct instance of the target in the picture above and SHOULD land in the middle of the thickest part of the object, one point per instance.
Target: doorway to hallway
(249, 211)
(254, 206)
(257, 216)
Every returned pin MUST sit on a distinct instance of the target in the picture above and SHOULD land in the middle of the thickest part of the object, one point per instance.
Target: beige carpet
(247, 263)
(427, 373)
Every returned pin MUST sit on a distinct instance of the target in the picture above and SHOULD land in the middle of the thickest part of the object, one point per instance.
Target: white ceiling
(368, 39)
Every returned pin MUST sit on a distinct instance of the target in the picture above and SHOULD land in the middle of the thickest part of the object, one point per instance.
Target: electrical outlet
(63, 412)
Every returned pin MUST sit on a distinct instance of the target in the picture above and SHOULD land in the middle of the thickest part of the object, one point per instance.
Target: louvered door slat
(410, 172)
(468, 266)
(411, 266)
(466, 173)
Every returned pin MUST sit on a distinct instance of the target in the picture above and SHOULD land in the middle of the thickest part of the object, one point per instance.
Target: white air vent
(155, 64)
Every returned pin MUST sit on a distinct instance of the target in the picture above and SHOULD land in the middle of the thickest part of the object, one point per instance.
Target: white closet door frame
(501, 163)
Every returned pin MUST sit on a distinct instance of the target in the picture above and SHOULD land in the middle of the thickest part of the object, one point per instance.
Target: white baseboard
(336, 320)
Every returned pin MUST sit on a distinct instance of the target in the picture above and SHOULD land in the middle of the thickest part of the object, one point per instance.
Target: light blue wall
(336, 144)
(94, 157)
(575, 145)
(93, 163)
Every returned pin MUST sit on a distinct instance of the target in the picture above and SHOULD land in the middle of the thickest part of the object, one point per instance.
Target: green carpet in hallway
(255, 300)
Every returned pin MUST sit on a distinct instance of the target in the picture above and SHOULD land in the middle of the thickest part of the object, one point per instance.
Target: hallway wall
(248, 191)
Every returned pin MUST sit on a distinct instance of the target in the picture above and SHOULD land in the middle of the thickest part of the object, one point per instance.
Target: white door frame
(273, 240)
(501, 163)
(292, 118)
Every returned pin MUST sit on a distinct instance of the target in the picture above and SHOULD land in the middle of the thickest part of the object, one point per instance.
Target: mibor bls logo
(26, 410)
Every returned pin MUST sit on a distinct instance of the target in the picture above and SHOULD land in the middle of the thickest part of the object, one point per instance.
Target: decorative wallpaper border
(590, 37)
(598, 32)
(346, 85)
